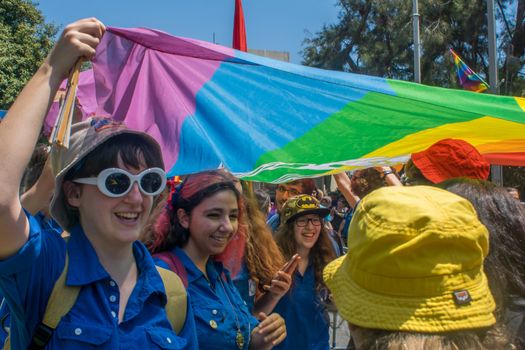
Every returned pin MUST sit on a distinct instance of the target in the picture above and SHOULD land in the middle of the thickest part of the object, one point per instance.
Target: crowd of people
(98, 249)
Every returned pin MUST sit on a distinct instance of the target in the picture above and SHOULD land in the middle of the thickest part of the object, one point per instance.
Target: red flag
(239, 29)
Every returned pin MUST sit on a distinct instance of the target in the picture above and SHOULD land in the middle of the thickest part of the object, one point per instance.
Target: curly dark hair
(365, 181)
(320, 255)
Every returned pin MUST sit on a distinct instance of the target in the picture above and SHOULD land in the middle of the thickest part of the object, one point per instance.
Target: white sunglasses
(115, 182)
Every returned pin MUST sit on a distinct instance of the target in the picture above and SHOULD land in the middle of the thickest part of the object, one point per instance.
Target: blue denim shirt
(217, 306)
(27, 278)
(246, 287)
(305, 316)
(47, 225)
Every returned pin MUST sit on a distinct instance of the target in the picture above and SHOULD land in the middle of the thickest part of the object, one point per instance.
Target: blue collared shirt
(217, 305)
(305, 316)
(27, 278)
(48, 225)
(246, 286)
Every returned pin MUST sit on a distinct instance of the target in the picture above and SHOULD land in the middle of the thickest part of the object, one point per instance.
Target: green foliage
(25, 40)
(375, 38)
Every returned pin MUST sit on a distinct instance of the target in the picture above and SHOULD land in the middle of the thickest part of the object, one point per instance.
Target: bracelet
(387, 172)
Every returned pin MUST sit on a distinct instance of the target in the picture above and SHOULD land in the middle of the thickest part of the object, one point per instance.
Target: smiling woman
(106, 182)
(199, 222)
(303, 308)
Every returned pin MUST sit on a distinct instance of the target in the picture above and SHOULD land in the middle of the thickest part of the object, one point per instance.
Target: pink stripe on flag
(149, 80)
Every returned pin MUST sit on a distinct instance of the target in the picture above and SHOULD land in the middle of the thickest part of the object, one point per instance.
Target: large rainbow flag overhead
(210, 106)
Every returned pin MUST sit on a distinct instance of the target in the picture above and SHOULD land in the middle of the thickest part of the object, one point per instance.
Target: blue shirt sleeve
(27, 278)
(189, 331)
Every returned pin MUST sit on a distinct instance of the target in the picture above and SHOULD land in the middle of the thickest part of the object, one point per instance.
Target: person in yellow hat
(413, 277)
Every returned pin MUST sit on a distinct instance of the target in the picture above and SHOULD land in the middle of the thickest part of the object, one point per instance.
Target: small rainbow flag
(467, 78)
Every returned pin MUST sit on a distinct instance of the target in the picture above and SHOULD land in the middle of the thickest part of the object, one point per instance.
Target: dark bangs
(131, 148)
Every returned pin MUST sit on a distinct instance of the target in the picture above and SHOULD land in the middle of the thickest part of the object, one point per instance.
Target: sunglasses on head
(115, 182)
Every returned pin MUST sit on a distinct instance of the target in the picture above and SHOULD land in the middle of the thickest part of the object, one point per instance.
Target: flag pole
(496, 170)
(417, 45)
(239, 28)
(493, 64)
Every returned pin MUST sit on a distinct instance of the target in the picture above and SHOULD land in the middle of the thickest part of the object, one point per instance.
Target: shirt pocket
(80, 335)
(212, 315)
(166, 339)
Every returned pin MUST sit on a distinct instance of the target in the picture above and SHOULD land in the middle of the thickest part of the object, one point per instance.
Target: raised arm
(391, 179)
(343, 184)
(21, 126)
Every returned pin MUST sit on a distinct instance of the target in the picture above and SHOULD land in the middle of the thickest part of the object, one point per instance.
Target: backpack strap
(62, 299)
(174, 265)
(177, 299)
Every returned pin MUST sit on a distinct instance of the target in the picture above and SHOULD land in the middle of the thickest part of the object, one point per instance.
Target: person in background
(446, 159)
(363, 182)
(302, 232)
(263, 201)
(105, 186)
(199, 223)
(413, 277)
(504, 217)
(338, 214)
(514, 193)
(326, 202)
(318, 193)
(285, 191)
(37, 198)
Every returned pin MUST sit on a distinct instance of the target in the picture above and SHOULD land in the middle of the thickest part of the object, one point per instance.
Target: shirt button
(112, 298)
(114, 314)
(112, 283)
(168, 339)
(214, 312)
(78, 331)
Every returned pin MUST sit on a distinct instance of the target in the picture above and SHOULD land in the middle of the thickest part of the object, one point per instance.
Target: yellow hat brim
(424, 314)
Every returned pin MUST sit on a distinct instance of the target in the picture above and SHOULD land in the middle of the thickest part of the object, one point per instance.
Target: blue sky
(270, 24)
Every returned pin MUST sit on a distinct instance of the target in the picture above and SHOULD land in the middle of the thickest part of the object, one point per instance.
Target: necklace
(239, 338)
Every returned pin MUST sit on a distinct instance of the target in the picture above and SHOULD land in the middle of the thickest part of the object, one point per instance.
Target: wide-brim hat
(85, 137)
(451, 158)
(415, 263)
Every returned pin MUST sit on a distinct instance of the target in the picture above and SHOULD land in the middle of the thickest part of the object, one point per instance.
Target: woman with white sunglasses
(106, 183)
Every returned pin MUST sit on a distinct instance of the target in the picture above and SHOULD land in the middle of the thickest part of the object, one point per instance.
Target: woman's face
(111, 220)
(212, 223)
(306, 230)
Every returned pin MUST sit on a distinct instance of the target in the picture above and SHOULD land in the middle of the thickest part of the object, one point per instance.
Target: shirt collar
(148, 273)
(84, 266)
(213, 268)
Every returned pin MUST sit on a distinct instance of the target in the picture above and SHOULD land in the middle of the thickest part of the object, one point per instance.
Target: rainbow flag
(266, 120)
(467, 78)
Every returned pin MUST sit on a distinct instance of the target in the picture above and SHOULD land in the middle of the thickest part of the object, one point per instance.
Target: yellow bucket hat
(415, 263)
